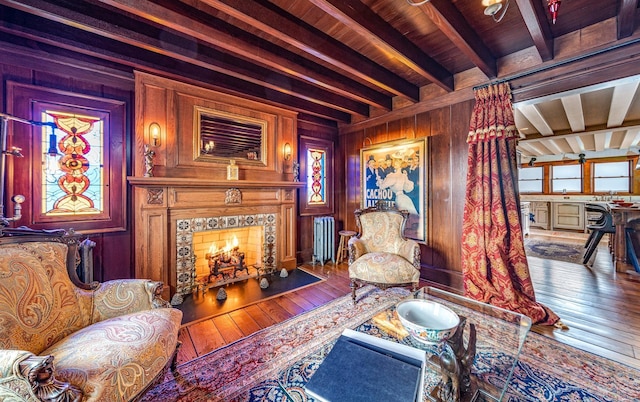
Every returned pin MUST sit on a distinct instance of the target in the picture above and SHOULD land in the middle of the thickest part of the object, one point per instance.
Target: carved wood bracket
(233, 196)
(155, 196)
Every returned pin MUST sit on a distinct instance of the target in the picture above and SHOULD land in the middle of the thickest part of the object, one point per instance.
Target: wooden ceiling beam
(183, 18)
(284, 27)
(536, 118)
(174, 47)
(631, 138)
(576, 144)
(362, 20)
(452, 23)
(573, 109)
(106, 49)
(626, 18)
(601, 139)
(533, 15)
(621, 102)
(533, 147)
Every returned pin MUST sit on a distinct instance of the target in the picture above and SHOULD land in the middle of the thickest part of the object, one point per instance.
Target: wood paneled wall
(113, 256)
(447, 130)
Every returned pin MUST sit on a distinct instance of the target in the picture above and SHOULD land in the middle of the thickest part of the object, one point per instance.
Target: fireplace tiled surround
(185, 253)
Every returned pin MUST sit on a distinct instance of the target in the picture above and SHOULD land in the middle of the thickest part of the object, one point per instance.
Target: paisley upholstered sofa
(62, 340)
(379, 254)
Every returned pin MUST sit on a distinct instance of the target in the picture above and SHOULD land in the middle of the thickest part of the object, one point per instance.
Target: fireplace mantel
(160, 203)
(205, 183)
(186, 188)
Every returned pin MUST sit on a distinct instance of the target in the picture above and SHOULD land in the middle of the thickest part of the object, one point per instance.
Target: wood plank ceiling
(339, 61)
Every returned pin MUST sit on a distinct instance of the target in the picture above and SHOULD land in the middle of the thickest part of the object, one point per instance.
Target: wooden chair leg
(174, 359)
(592, 246)
(353, 287)
(340, 252)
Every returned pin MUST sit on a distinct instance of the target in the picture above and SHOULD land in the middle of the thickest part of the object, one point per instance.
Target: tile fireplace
(196, 236)
(174, 215)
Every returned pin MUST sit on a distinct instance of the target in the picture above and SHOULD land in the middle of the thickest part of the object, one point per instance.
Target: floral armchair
(63, 340)
(380, 255)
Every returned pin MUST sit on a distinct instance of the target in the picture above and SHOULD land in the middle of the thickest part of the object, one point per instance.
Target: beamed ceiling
(343, 61)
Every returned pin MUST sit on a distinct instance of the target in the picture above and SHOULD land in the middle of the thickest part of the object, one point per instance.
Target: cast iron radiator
(323, 239)
(85, 268)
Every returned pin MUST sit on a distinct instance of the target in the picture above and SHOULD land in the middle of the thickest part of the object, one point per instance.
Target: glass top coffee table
(500, 335)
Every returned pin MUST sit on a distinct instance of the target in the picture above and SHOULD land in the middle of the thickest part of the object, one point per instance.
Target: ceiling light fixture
(553, 6)
(411, 3)
(581, 158)
(532, 161)
(492, 7)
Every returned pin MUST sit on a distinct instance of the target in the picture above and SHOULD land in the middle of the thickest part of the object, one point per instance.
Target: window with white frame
(530, 179)
(611, 177)
(566, 178)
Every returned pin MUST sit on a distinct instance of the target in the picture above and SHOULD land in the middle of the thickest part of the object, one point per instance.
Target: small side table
(343, 249)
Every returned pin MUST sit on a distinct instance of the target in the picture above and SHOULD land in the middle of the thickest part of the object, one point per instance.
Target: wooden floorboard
(245, 323)
(599, 306)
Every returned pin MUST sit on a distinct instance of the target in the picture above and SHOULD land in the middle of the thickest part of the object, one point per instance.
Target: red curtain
(494, 264)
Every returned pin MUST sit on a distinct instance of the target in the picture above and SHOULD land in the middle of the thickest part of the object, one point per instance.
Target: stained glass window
(74, 177)
(316, 169)
(316, 179)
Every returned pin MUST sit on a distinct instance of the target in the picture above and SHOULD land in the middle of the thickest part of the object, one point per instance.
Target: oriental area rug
(549, 250)
(283, 357)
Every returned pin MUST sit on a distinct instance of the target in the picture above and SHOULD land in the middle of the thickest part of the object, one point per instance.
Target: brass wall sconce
(154, 134)
(286, 151)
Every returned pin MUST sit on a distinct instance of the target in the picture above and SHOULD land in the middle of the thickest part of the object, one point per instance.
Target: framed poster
(396, 171)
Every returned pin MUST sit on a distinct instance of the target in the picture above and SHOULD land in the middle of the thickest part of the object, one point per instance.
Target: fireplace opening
(226, 254)
(257, 240)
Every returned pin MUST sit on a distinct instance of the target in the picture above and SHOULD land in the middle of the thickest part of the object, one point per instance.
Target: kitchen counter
(623, 218)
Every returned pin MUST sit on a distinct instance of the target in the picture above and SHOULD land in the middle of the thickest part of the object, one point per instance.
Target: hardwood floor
(599, 306)
(207, 335)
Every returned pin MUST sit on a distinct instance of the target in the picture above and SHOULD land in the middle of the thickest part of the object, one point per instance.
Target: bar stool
(343, 249)
(598, 229)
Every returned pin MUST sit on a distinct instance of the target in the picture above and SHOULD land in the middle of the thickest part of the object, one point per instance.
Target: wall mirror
(222, 136)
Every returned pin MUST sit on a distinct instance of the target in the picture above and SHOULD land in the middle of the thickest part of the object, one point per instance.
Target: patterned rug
(283, 357)
(554, 251)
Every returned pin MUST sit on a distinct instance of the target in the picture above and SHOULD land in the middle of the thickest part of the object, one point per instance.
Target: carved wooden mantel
(173, 182)
(161, 201)
(148, 182)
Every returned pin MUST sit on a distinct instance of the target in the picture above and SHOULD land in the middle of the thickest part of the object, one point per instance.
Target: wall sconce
(582, 158)
(532, 161)
(154, 133)
(286, 151)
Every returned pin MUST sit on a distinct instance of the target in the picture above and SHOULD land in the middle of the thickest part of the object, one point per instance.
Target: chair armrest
(357, 248)
(124, 296)
(410, 250)
(27, 377)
